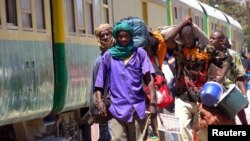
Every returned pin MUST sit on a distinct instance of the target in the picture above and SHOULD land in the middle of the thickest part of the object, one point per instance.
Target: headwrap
(106, 45)
(119, 51)
(122, 26)
(102, 27)
(98, 30)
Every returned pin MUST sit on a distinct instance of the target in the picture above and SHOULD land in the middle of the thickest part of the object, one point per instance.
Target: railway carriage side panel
(80, 49)
(159, 9)
(26, 64)
(122, 9)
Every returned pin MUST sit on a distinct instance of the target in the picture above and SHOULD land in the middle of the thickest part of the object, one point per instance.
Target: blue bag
(140, 36)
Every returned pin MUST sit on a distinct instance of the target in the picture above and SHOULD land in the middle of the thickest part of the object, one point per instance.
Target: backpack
(163, 94)
(140, 36)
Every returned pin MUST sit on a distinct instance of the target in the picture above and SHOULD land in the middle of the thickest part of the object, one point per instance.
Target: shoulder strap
(107, 77)
(156, 61)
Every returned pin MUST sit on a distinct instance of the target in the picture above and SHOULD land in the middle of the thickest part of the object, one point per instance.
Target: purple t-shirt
(125, 84)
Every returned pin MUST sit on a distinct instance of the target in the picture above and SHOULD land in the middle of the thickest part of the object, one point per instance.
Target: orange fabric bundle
(194, 53)
(162, 48)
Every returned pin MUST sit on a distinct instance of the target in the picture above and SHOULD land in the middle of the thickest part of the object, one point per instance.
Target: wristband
(153, 104)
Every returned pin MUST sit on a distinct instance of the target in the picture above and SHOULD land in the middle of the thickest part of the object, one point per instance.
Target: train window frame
(42, 10)
(175, 13)
(11, 14)
(202, 24)
(88, 13)
(213, 26)
(197, 20)
(98, 12)
(73, 17)
(105, 11)
(26, 15)
(1, 14)
(81, 29)
(224, 29)
(234, 37)
(105, 2)
(216, 26)
(89, 17)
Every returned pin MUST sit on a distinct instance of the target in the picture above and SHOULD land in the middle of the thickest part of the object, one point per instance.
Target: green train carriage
(207, 18)
(47, 51)
(26, 64)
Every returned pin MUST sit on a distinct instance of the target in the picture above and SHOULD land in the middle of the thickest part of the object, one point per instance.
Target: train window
(98, 12)
(224, 30)
(26, 13)
(0, 17)
(80, 14)
(89, 18)
(213, 26)
(175, 13)
(70, 15)
(11, 12)
(105, 11)
(105, 2)
(234, 36)
(196, 20)
(40, 19)
(202, 24)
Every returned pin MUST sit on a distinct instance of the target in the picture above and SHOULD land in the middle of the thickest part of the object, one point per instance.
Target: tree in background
(237, 9)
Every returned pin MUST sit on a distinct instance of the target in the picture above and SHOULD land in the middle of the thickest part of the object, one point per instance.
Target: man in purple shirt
(126, 66)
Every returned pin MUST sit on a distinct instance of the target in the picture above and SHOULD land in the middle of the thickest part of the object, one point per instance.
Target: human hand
(203, 123)
(153, 109)
(171, 60)
(187, 20)
(209, 117)
(101, 107)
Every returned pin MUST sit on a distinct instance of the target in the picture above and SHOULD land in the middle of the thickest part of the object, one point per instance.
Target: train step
(49, 120)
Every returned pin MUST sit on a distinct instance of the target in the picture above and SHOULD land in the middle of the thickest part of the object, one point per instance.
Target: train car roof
(233, 22)
(215, 13)
(193, 3)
